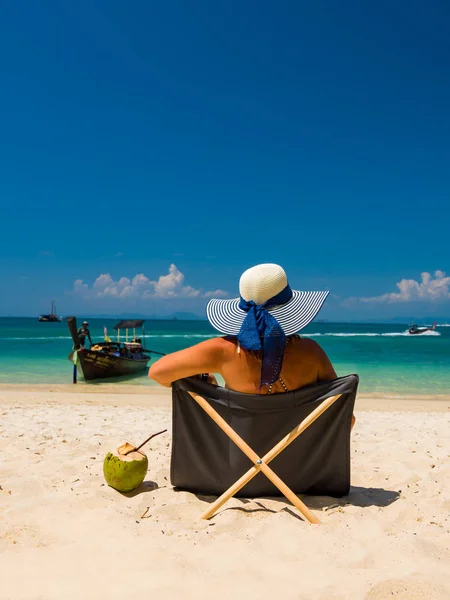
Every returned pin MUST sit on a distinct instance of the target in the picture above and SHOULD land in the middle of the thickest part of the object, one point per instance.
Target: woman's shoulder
(217, 344)
(307, 346)
(222, 348)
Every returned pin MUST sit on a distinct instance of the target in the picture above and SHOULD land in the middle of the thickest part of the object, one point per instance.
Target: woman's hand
(209, 377)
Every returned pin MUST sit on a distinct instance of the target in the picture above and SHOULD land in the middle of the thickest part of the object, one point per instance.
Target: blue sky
(214, 136)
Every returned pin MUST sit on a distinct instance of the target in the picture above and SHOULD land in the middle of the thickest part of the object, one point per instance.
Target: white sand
(64, 534)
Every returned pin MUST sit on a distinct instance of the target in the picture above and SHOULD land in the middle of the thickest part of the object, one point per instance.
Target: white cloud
(190, 292)
(103, 281)
(79, 287)
(216, 294)
(429, 288)
(166, 286)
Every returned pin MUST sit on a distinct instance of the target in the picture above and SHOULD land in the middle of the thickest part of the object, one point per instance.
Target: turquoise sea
(385, 356)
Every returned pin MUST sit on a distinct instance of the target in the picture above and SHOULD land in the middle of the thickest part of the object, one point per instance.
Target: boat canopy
(129, 324)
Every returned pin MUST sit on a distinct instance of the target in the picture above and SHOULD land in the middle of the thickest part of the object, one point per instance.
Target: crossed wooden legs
(262, 464)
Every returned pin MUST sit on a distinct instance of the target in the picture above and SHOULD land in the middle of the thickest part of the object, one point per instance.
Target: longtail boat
(108, 358)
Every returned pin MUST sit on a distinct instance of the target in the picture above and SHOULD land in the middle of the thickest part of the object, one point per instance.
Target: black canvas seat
(307, 430)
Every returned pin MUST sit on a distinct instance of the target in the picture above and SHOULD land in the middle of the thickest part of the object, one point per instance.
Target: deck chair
(223, 441)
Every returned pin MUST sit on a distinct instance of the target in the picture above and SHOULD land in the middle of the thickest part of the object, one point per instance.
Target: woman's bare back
(304, 363)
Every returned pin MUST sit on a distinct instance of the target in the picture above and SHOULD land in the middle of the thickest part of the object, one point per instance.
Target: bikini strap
(282, 383)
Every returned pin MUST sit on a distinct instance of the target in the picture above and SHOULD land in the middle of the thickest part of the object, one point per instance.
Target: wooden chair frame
(262, 464)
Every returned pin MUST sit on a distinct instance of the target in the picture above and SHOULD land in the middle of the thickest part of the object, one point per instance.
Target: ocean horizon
(424, 321)
(384, 355)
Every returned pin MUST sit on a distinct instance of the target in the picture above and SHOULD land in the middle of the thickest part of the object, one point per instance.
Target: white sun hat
(260, 285)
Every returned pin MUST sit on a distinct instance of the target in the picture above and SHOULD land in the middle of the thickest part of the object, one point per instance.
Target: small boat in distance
(415, 330)
(52, 317)
(111, 358)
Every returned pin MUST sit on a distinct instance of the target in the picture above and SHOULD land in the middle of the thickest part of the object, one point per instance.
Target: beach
(65, 534)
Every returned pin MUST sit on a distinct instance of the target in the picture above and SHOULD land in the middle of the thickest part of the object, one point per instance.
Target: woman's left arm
(206, 357)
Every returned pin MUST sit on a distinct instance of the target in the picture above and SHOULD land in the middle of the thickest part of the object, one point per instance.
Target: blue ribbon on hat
(261, 331)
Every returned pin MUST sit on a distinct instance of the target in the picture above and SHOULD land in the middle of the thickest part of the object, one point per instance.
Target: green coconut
(123, 472)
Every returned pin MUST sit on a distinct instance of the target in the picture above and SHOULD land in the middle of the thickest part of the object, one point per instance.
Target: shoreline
(155, 395)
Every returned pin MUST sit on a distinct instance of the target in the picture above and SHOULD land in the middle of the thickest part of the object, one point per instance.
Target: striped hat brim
(295, 315)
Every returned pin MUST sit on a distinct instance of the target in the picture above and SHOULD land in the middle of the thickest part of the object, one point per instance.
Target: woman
(261, 352)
